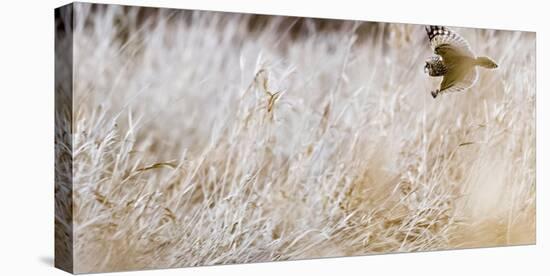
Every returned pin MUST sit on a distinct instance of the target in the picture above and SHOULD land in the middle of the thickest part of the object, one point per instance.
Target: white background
(26, 135)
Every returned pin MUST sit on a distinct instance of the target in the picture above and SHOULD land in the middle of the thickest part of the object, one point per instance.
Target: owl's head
(434, 66)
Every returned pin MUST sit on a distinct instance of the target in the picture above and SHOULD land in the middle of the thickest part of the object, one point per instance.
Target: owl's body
(454, 61)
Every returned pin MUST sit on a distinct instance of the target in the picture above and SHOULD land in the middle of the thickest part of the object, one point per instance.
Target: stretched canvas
(191, 138)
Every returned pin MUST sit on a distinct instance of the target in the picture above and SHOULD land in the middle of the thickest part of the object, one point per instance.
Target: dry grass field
(198, 140)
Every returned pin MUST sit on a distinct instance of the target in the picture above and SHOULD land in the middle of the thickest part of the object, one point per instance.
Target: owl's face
(434, 66)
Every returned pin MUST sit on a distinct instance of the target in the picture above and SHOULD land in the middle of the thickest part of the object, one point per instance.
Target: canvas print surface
(191, 138)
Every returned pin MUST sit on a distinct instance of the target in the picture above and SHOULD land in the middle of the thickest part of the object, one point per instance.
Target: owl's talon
(434, 93)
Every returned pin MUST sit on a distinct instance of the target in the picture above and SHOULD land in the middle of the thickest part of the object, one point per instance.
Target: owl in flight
(454, 60)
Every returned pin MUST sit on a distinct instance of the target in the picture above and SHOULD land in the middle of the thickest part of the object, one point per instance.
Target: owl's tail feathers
(486, 62)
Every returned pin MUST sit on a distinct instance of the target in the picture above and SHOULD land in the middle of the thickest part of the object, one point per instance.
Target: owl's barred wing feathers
(447, 42)
(457, 83)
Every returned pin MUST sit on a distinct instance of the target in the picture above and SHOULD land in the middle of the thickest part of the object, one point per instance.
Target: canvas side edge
(63, 24)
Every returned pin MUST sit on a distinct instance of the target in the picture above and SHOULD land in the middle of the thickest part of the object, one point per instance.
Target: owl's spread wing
(447, 43)
(456, 81)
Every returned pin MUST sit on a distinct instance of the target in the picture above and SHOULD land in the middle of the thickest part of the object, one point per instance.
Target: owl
(453, 60)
